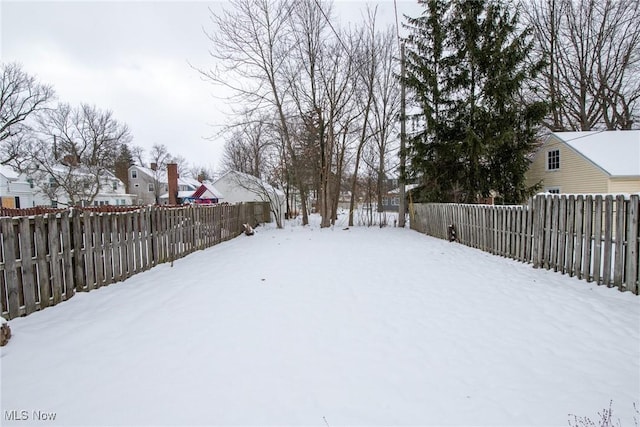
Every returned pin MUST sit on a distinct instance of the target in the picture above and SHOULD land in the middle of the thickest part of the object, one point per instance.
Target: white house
(17, 191)
(112, 190)
(240, 187)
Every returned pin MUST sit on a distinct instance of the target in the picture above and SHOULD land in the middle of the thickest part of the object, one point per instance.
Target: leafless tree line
(592, 49)
(316, 102)
(319, 105)
(65, 149)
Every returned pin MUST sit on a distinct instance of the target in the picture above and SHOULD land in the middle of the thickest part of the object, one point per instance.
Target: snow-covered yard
(304, 326)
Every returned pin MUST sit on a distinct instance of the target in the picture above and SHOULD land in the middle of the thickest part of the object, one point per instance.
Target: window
(134, 174)
(115, 185)
(123, 202)
(553, 160)
(150, 187)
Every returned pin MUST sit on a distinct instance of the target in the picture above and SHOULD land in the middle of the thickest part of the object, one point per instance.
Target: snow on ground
(309, 326)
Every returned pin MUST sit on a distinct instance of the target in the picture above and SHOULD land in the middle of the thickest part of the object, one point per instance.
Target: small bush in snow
(605, 419)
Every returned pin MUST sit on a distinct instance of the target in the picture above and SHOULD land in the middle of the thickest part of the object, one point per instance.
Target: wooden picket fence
(45, 259)
(592, 237)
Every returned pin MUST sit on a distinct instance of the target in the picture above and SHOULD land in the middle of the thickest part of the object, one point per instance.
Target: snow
(617, 152)
(309, 326)
(8, 172)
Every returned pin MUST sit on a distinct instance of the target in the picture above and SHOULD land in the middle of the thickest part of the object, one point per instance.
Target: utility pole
(403, 136)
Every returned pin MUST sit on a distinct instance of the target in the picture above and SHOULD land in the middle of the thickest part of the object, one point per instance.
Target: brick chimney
(153, 166)
(200, 177)
(172, 177)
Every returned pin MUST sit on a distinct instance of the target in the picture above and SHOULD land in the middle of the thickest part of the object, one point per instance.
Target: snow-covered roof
(8, 172)
(213, 190)
(250, 179)
(407, 187)
(616, 152)
(162, 177)
(181, 194)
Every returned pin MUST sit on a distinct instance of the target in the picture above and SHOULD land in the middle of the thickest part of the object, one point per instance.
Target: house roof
(616, 152)
(241, 177)
(181, 194)
(407, 188)
(162, 177)
(8, 172)
(204, 187)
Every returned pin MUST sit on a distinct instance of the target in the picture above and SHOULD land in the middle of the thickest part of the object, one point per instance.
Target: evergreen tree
(468, 65)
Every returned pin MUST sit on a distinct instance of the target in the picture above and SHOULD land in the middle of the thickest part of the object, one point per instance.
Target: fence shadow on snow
(46, 258)
(592, 237)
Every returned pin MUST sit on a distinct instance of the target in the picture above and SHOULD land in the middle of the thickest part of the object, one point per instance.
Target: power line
(332, 28)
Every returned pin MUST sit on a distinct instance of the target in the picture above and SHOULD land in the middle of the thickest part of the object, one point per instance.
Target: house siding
(139, 186)
(619, 185)
(576, 174)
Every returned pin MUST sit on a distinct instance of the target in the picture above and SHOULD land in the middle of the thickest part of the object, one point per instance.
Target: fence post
(538, 230)
(568, 260)
(588, 231)
(67, 255)
(43, 266)
(26, 259)
(54, 257)
(597, 242)
(632, 244)
(10, 267)
(562, 233)
(608, 240)
(618, 269)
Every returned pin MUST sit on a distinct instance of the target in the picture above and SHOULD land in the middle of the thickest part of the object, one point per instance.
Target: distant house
(588, 163)
(241, 187)
(151, 186)
(147, 184)
(191, 190)
(17, 191)
(205, 194)
(391, 199)
(111, 190)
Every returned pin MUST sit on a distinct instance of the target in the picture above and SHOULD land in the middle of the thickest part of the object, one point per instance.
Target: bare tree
(159, 157)
(137, 153)
(204, 172)
(592, 48)
(21, 98)
(385, 108)
(367, 69)
(285, 59)
(75, 151)
(182, 162)
(323, 78)
(251, 43)
(246, 146)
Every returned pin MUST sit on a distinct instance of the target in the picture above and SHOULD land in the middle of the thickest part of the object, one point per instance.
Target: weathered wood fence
(45, 259)
(593, 237)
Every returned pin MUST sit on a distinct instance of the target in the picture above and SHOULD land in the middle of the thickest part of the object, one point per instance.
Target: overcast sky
(132, 57)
